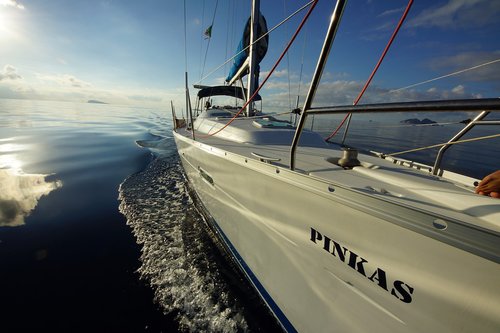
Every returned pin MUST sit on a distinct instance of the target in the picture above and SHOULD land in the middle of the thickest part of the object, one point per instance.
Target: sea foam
(177, 256)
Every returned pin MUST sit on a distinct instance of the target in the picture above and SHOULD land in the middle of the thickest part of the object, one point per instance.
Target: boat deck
(375, 177)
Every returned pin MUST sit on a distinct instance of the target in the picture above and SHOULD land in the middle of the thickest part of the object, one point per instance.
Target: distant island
(95, 101)
(415, 121)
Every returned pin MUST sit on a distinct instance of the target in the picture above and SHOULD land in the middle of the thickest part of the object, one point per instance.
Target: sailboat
(336, 239)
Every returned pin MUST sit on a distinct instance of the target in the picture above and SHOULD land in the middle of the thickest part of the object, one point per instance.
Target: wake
(178, 259)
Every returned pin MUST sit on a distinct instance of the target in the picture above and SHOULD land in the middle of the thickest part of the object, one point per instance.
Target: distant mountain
(412, 121)
(95, 101)
(427, 121)
(415, 121)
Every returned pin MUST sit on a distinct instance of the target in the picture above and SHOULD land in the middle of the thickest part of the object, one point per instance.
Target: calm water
(97, 232)
(475, 159)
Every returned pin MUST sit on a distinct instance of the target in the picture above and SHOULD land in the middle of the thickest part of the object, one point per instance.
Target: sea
(98, 232)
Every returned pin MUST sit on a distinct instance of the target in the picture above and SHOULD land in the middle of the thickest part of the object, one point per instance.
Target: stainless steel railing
(483, 106)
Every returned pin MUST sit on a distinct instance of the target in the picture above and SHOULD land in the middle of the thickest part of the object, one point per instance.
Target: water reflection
(19, 191)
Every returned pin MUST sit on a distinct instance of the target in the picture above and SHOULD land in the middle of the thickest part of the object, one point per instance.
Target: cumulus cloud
(9, 73)
(276, 74)
(70, 88)
(65, 80)
(457, 14)
(74, 82)
(12, 3)
(458, 90)
(343, 92)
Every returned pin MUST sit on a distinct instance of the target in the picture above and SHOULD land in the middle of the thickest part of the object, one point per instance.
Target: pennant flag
(208, 32)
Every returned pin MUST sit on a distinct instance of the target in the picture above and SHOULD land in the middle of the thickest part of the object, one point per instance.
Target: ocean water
(474, 158)
(99, 234)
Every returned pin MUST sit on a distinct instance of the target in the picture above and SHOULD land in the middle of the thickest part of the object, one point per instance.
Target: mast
(252, 55)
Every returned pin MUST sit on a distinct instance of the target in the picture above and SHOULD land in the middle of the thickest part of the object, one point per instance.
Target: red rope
(270, 72)
(401, 20)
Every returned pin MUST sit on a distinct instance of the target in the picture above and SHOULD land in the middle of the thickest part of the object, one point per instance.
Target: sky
(133, 52)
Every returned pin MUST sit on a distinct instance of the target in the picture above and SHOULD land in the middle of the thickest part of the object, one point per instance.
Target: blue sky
(132, 52)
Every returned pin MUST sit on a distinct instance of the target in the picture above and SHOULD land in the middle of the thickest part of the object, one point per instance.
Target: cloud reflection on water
(19, 191)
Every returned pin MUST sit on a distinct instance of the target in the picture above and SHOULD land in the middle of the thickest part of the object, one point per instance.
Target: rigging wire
(300, 74)
(445, 76)
(185, 39)
(310, 3)
(444, 144)
(209, 39)
(301, 66)
(233, 25)
(288, 66)
(201, 36)
(188, 101)
(227, 33)
(233, 31)
(400, 23)
(299, 28)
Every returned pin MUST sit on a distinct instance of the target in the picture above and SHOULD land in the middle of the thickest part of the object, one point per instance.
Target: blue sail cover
(261, 48)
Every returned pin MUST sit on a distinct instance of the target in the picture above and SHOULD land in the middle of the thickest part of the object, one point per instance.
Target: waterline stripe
(287, 325)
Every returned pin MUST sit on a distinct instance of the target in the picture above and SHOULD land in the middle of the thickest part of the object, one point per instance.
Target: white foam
(174, 261)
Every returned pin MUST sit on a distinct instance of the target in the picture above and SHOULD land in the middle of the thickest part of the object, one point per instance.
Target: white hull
(331, 257)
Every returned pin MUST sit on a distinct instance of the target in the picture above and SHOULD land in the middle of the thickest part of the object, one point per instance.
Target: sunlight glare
(10, 161)
(7, 21)
(12, 147)
(4, 24)
(12, 3)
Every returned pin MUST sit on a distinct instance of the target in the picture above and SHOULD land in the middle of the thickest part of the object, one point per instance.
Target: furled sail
(240, 64)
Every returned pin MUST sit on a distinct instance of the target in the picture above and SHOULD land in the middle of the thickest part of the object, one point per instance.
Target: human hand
(490, 185)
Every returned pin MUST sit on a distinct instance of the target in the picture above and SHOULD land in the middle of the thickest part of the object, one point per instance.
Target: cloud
(12, 3)
(391, 12)
(9, 73)
(490, 72)
(145, 98)
(343, 92)
(65, 80)
(276, 73)
(21, 193)
(70, 89)
(387, 22)
(458, 14)
(458, 90)
(74, 82)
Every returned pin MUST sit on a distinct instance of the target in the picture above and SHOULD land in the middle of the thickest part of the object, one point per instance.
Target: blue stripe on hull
(267, 298)
(283, 320)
